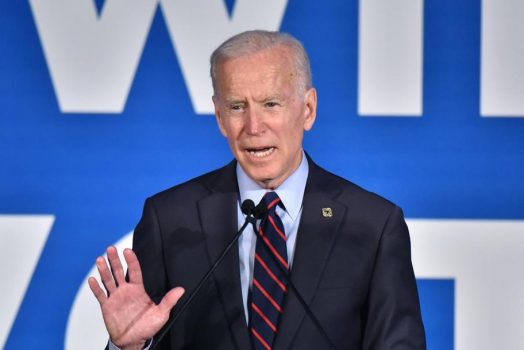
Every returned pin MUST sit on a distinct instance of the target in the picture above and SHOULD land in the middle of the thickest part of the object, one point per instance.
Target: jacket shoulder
(349, 193)
(219, 180)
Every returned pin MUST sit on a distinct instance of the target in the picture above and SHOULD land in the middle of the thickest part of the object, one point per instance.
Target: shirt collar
(291, 191)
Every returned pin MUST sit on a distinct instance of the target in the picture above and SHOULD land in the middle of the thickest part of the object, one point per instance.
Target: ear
(310, 110)
(218, 116)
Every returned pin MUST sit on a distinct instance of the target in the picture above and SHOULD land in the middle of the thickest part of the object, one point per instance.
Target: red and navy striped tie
(269, 284)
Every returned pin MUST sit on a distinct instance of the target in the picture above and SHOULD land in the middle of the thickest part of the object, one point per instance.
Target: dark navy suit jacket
(353, 268)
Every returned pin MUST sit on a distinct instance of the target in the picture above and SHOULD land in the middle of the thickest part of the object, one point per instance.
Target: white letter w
(93, 60)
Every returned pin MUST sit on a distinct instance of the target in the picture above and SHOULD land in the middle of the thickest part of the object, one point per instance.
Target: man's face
(263, 114)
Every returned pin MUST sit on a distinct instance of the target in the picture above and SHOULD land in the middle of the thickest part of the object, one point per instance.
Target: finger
(97, 290)
(116, 265)
(170, 299)
(133, 267)
(105, 275)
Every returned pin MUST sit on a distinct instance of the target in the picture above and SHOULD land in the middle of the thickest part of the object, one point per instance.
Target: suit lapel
(315, 238)
(218, 215)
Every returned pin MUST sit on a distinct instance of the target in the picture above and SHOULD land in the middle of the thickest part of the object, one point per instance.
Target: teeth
(263, 152)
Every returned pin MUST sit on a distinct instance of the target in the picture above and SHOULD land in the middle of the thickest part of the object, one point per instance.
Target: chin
(264, 179)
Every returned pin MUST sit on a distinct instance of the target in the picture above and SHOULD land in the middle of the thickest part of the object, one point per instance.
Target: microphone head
(260, 211)
(248, 207)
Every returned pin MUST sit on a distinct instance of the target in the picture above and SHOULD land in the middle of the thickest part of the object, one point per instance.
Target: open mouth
(261, 152)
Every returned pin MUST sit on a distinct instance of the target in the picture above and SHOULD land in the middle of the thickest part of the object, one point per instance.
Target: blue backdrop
(92, 171)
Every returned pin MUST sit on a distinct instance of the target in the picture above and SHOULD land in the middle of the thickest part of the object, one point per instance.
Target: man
(346, 250)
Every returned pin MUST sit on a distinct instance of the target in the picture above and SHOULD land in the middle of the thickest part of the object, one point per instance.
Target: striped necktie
(269, 283)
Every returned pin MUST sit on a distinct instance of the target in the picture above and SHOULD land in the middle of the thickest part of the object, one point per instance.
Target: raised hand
(130, 316)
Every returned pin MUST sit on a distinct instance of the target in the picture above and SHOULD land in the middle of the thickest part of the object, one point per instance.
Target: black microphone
(252, 213)
(260, 212)
(248, 208)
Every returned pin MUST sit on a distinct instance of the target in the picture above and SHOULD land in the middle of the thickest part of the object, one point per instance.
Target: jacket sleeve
(393, 318)
(148, 246)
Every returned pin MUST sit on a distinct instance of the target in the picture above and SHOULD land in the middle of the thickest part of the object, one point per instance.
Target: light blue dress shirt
(291, 193)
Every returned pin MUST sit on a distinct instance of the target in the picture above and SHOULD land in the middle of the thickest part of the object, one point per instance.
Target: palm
(130, 316)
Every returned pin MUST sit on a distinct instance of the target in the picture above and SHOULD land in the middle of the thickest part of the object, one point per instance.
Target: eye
(271, 104)
(236, 107)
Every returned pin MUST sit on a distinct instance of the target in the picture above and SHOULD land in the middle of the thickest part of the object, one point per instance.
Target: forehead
(271, 68)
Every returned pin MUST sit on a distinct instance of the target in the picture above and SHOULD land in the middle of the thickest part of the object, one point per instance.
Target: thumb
(170, 299)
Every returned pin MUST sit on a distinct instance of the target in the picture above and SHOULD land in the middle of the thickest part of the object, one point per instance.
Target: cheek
(229, 129)
(223, 130)
(294, 134)
(222, 126)
(295, 143)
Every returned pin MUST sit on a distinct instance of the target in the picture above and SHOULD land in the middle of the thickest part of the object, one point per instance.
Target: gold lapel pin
(327, 212)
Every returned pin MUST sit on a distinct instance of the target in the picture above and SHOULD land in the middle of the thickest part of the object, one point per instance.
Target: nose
(254, 122)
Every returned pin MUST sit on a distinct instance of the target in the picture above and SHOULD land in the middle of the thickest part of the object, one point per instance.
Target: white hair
(253, 41)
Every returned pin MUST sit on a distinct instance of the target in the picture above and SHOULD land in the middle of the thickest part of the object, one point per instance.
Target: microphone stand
(248, 208)
(252, 215)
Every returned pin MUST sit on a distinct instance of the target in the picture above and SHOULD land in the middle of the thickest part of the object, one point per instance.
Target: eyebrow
(272, 97)
(234, 100)
(231, 101)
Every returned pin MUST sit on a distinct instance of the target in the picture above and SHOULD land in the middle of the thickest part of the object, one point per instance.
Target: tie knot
(271, 200)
